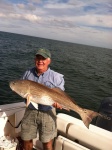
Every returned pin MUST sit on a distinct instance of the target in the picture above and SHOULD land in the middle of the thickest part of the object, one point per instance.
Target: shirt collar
(45, 73)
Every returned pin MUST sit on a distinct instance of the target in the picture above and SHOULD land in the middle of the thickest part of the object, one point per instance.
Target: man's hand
(57, 105)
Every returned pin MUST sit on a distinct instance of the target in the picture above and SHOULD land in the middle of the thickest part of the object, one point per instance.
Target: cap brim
(42, 54)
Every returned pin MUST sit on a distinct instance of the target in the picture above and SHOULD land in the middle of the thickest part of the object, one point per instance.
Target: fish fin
(28, 100)
(66, 108)
(87, 116)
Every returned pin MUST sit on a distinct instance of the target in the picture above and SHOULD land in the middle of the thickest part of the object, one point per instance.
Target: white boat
(72, 133)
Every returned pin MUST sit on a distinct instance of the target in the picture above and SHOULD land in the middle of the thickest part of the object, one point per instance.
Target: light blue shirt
(49, 78)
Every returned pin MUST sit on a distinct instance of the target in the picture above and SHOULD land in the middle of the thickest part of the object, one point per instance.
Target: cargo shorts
(43, 122)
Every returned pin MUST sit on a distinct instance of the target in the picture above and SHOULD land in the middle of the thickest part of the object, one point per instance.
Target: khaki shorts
(44, 122)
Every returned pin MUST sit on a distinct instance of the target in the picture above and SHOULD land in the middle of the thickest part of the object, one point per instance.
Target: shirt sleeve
(59, 81)
(24, 75)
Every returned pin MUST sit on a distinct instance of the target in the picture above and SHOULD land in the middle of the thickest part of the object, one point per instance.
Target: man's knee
(48, 145)
(28, 145)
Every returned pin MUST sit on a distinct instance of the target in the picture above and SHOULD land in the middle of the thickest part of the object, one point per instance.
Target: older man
(37, 116)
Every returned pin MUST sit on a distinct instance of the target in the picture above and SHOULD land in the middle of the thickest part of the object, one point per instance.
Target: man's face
(42, 63)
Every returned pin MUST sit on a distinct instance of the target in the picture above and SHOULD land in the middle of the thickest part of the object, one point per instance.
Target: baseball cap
(44, 52)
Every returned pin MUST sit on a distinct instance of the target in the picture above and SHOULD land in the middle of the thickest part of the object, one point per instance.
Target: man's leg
(29, 128)
(28, 145)
(48, 145)
(48, 129)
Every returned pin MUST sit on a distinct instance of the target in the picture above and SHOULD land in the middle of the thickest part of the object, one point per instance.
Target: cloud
(34, 1)
(93, 20)
(28, 17)
(59, 19)
(6, 6)
(21, 6)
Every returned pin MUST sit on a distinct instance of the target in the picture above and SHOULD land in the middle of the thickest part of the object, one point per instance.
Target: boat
(72, 133)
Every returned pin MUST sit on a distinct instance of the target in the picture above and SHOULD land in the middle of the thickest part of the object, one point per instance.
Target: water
(87, 70)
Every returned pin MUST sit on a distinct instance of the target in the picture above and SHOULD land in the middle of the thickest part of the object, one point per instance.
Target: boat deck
(72, 133)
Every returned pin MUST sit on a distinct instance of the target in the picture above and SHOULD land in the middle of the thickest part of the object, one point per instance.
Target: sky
(86, 22)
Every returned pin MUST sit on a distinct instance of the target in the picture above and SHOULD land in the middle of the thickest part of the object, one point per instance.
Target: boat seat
(13, 115)
(92, 138)
(89, 138)
(62, 143)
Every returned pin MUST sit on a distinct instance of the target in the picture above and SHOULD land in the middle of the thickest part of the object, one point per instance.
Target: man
(39, 116)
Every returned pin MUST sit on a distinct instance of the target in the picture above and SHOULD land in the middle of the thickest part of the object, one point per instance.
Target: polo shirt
(49, 78)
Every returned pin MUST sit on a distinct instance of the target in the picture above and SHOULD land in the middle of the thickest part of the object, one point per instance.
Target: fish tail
(87, 116)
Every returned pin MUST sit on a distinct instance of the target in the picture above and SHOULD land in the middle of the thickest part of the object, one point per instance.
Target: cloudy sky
(78, 21)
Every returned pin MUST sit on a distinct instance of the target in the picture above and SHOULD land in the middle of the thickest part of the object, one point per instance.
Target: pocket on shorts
(49, 126)
(25, 126)
(28, 116)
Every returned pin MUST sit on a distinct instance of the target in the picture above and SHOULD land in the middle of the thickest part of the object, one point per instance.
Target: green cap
(44, 52)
